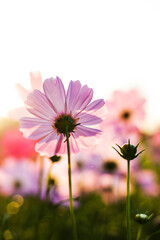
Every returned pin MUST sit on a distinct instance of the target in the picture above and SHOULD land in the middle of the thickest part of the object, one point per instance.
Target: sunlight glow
(108, 45)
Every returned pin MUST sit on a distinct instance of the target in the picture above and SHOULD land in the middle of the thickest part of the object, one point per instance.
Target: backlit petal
(36, 81)
(55, 93)
(47, 145)
(22, 92)
(79, 97)
(88, 119)
(38, 105)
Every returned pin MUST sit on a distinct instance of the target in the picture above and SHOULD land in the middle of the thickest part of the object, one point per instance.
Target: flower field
(63, 166)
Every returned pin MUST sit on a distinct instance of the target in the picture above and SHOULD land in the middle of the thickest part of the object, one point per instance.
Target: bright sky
(107, 44)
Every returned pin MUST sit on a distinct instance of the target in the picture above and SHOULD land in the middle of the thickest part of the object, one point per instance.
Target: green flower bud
(55, 158)
(128, 151)
(142, 218)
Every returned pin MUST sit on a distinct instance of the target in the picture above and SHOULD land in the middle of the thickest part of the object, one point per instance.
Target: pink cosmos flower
(56, 111)
(126, 108)
(19, 177)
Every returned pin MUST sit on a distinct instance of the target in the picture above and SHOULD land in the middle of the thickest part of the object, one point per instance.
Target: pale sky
(107, 44)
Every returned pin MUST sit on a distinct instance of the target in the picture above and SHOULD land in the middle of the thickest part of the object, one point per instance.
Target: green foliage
(41, 220)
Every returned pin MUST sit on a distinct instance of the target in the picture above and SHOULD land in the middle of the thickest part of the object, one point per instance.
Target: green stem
(40, 175)
(154, 233)
(70, 189)
(48, 180)
(139, 232)
(128, 201)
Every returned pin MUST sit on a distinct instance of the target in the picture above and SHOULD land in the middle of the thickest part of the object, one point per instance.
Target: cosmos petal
(95, 105)
(97, 108)
(86, 141)
(22, 92)
(87, 131)
(55, 92)
(38, 105)
(88, 119)
(34, 128)
(17, 113)
(73, 144)
(36, 81)
(39, 132)
(72, 95)
(78, 97)
(27, 122)
(47, 145)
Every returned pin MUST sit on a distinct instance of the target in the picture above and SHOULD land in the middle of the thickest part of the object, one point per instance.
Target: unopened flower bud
(142, 218)
(55, 158)
(128, 151)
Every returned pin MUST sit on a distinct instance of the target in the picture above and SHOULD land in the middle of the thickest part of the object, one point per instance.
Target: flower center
(17, 184)
(110, 166)
(65, 123)
(125, 115)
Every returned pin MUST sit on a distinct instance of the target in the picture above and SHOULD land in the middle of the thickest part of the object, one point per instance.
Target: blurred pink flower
(54, 109)
(112, 188)
(14, 145)
(125, 111)
(84, 181)
(153, 142)
(19, 177)
(126, 108)
(147, 181)
(36, 83)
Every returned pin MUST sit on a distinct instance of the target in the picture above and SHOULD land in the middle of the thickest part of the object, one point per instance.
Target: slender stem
(128, 201)
(70, 190)
(40, 175)
(48, 180)
(152, 234)
(139, 232)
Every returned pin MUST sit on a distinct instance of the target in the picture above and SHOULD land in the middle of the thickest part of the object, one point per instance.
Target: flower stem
(41, 163)
(128, 201)
(139, 232)
(48, 180)
(70, 190)
(152, 234)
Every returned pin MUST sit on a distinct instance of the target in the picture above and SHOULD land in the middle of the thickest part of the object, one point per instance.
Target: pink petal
(28, 122)
(86, 131)
(73, 144)
(86, 141)
(35, 129)
(40, 132)
(78, 97)
(55, 93)
(17, 113)
(47, 145)
(36, 81)
(87, 119)
(38, 105)
(22, 92)
(97, 108)
(95, 105)
(61, 146)
(72, 95)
